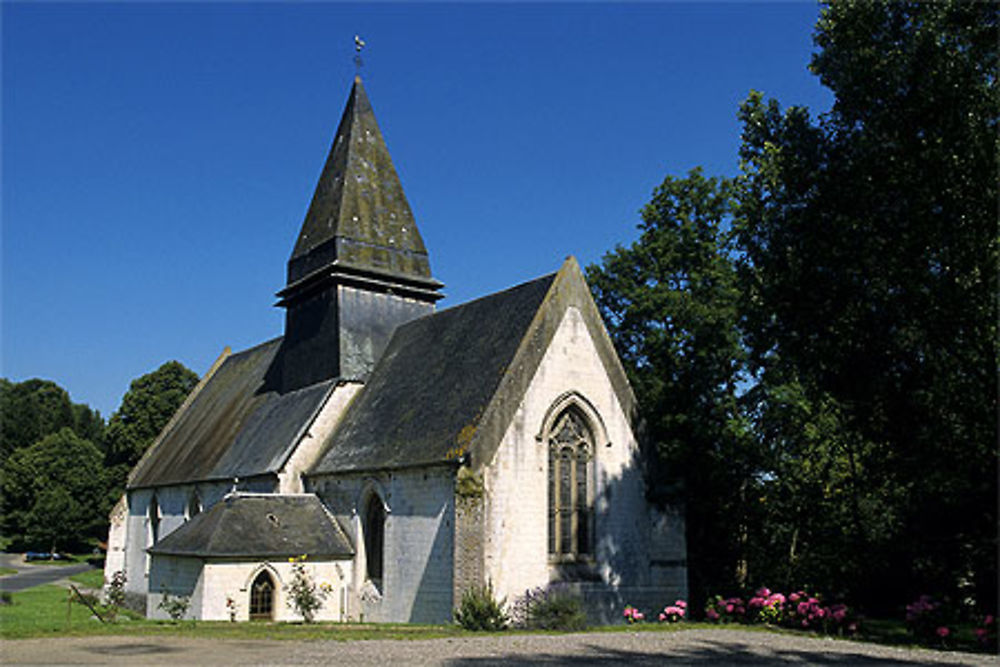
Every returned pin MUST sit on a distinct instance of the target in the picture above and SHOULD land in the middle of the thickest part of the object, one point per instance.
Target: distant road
(36, 575)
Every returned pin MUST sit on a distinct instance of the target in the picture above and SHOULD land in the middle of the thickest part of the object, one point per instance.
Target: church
(408, 453)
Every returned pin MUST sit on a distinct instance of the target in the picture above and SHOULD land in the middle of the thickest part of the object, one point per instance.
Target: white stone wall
(419, 542)
(135, 528)
(176, 577)
(114, 559)
(516, 481)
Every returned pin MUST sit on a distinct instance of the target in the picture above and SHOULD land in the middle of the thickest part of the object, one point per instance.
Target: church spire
(359, 222)
(359, 268)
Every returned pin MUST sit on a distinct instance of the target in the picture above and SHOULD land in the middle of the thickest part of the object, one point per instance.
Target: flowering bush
(674, 613)
(305, 596)
(986, 633)
(767, 607)
(725, 610)
(799, 610)
(925, 618)
(633, 615)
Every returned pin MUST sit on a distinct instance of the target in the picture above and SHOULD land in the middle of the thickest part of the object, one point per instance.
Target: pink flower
(943, 632)
(729, 608)
(763, 592)
(981, 634)
(681, 603)
(712, 614)
(794, 597)
(988, 621)
(662, 617)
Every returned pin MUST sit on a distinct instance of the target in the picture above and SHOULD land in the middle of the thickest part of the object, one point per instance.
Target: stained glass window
(570, 472)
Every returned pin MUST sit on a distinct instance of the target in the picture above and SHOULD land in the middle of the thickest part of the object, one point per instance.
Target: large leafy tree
(670, 301)
(36, 408)
(870, 275)
(53, 493)
(146, 408)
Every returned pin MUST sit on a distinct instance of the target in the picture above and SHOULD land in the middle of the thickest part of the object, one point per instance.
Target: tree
(870, 279)
(36, 408)
(53, 492)
(670, 303)
(146, 408)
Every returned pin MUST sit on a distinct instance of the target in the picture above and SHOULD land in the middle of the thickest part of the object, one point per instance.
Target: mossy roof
(359, 217)
(448, 384)
(259, 526)
(233, 425)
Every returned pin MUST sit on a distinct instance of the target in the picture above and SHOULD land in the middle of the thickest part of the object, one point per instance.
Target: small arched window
(374, 534)
(571, 448)
(262, 597)
(154, 520)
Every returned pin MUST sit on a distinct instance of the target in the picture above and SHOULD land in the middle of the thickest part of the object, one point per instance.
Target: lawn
(45, 611)
(90, 578)
(4, 571)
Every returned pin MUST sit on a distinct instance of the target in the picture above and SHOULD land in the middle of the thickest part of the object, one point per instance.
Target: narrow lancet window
(374, 534)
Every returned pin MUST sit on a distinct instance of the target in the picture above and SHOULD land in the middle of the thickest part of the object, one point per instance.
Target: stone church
(410, 454)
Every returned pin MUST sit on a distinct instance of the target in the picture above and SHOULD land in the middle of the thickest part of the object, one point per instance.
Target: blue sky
(158, 159)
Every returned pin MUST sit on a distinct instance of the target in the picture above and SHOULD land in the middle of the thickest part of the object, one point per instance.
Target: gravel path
(691, 647)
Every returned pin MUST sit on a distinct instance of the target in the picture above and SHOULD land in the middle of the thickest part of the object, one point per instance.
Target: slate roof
(448, 384)
(234, 425)
(434, 379)
(359, 217)
(259, 526)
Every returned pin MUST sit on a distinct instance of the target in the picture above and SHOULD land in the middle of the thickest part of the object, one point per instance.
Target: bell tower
(359, 268)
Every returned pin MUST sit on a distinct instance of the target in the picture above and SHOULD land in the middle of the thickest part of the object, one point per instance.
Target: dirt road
(692, 647)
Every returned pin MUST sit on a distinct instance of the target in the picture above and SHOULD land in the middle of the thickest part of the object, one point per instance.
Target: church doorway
(262, 597)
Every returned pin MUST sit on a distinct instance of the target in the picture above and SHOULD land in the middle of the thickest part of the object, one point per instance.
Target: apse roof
(259, 526)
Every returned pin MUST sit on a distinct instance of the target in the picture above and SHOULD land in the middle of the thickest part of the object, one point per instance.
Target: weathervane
(358, 45)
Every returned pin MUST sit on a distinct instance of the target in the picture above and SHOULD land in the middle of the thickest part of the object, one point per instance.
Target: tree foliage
(146, 408)
(670, 301)
(870, 246)
(835, 357)
(53, 492)
(36, 408)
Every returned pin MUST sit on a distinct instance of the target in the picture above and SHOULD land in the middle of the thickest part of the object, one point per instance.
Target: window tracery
(571, 448)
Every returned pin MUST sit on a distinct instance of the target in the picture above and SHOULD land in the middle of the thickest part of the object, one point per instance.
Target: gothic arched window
(571, 449)
(262, 597)
(374, 533)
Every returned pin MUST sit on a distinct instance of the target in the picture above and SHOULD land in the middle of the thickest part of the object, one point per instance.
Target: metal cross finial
(358, 45)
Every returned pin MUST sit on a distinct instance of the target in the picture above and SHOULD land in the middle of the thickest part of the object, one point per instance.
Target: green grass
(4, 571)
(42, 612)
(90, 578)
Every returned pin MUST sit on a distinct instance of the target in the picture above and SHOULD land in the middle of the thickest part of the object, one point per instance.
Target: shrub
(114, 595)
(725, 610)
(552, 608)
(479, 610)
(304, 595)
(633, 615)
(175, 606)
(674, 613)
(925, 619)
